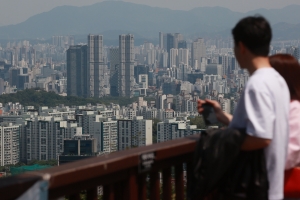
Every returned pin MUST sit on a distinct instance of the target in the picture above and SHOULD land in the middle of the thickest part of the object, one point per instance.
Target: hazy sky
(16, 11)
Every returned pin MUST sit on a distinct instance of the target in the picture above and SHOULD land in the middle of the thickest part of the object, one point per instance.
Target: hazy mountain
(115, 17)
(285, 30)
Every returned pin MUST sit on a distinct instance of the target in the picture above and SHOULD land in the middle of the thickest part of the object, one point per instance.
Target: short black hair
(255, 33)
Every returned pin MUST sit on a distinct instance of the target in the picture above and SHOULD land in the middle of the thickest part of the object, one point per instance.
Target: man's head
(252, 37)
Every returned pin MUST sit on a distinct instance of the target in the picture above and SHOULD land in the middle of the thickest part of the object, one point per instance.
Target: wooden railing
(133, 174)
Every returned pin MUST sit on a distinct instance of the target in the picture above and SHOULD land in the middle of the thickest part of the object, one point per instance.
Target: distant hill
(285, 30)
(111, 18)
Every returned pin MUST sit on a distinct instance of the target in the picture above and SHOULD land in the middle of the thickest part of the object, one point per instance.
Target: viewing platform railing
(152, 172)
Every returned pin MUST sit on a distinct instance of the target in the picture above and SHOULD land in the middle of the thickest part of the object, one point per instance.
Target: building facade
(77, 71)
(96, 68)
(134, 133)
(126, 66)
(9, 144)
(198, 52)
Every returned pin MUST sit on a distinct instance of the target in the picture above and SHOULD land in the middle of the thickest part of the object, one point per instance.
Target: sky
(16, 11)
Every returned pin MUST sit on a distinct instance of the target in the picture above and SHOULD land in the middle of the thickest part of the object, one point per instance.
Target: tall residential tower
(126, 66)
(114, 66)
(77, 71)
(198, 52)
(96, 67)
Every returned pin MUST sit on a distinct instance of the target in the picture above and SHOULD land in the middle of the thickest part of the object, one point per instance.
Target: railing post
(92, 194)
(142, 187)
(131, 191)
(75, 196)
(189, 173)
(154, 186)
(108, 192)
(119, 190)
(179, 185)
(167, 184)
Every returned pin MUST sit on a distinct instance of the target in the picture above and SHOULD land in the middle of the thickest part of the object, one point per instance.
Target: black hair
(255, 33)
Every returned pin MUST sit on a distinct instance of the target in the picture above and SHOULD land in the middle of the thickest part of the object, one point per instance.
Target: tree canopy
(34, 97)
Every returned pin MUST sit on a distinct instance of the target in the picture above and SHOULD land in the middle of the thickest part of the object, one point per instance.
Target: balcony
(125, 174)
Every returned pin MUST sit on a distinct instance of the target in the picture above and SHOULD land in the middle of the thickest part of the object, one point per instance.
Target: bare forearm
(225, 118)
(253, 143)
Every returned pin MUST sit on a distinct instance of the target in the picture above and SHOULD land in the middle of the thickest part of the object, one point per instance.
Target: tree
(198, 120)
(37, 98)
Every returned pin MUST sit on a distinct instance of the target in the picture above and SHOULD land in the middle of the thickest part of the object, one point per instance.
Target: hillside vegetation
(31, 97)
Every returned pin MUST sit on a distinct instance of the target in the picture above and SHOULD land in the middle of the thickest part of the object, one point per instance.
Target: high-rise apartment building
(77, 71)
(183, 56)
(143, 81)
(164, 59)
(177, 38)
(173, 57)
(172, 129)
(96, 67)
(151, 57)
(225, 61)
(114, 66)
(58, 41)
(126, 66)
(9, 144)
(198, 52)
(214, 69)
(170, 42)
(44, 138)
(161, 40)
(182, 44)
(104, 130)
(134, 133)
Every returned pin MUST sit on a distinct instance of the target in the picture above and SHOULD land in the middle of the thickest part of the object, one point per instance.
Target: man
(263, 109)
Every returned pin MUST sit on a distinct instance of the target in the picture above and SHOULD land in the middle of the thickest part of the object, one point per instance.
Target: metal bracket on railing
(146, 160)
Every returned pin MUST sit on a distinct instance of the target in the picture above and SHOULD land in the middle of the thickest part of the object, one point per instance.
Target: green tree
(37, 98)
(198, 120)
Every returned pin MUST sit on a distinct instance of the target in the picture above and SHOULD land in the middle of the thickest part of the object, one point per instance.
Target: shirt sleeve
(260, 114)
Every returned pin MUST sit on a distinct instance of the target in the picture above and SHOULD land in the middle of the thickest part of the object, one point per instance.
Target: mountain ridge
(143, 20)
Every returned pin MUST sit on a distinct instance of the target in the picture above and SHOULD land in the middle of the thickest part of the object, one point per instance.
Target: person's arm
(260, 120)
(254, 143)
(222, 117)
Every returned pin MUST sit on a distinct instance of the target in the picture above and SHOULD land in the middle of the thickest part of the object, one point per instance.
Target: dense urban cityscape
(133, 100)
(174, 73)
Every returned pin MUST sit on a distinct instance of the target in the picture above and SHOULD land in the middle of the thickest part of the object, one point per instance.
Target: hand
(217, 108)
(222, 117)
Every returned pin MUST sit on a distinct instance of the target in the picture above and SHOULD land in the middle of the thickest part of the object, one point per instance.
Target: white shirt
(263, 110)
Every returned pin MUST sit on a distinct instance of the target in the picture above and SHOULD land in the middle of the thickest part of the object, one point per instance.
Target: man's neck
(258, 63)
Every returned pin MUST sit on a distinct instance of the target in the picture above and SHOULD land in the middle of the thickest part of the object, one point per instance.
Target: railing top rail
(92, 168)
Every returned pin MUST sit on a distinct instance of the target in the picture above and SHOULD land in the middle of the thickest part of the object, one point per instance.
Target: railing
(131, 174)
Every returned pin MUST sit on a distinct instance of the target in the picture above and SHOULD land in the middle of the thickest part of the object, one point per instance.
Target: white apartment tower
(96, 67)
(126, 66)
(183, 56)
(198, 52)
(173, 57)
(9, 144)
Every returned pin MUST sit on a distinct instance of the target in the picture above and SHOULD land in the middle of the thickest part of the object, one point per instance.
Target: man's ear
(242, 48)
